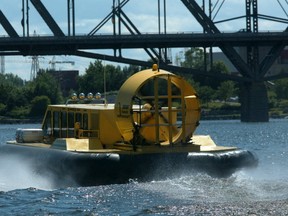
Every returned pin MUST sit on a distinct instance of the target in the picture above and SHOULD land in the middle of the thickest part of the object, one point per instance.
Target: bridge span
(124, 33)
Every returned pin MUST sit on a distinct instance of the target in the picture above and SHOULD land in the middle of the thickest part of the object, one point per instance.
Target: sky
(142, 13)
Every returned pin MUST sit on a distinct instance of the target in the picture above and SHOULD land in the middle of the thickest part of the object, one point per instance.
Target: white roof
(86, 106)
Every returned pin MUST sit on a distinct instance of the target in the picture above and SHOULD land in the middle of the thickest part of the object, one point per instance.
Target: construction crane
(35, 64)
(53, 63)
(34, 67)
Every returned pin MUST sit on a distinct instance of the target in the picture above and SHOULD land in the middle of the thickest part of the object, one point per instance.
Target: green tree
(219, 67)
(272, 98)
(93, 79)
(131, 69)
(114, 77)
(45, 84)
(281, 88)
(11, 79)
(206, 94)
(194, 58)
(39, 105)
(226, 90)
(12, 96)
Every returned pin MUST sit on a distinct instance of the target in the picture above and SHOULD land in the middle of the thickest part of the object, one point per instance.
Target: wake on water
(244, 185)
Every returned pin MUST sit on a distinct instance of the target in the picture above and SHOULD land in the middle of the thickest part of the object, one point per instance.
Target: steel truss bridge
(126, 35)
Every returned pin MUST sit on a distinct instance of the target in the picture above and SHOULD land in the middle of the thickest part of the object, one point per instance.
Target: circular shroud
(158, 106)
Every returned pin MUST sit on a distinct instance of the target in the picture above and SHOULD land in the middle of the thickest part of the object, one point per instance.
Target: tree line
(28, 99)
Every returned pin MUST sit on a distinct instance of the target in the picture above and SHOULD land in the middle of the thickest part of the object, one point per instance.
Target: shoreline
(203, 118)
(20, 121)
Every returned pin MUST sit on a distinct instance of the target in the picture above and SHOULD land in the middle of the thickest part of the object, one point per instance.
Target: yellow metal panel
(169, 117)
(82, 145)
(123, 106)
(109, 133)
(206, 144)
(156, 117)
(124, 99)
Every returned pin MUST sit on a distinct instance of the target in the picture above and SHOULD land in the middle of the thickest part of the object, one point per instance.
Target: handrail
(82, 134)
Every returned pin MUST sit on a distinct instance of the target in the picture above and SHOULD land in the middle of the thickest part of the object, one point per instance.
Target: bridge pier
(254, 102)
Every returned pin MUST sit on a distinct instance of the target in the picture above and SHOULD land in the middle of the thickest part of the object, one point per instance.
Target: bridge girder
(60, 43)
(178, 40)
(252, 69)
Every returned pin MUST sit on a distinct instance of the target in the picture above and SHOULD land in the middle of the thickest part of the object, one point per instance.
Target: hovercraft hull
(88, 169)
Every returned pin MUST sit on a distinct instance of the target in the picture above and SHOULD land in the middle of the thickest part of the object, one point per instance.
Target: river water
(25, 193)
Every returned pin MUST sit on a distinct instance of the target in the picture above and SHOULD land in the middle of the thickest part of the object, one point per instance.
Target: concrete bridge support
(254, 102)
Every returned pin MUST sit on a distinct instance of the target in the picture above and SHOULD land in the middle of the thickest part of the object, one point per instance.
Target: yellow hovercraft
(146, 134)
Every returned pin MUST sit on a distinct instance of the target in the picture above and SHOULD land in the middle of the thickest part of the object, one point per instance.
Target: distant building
(279, 66)
(67, 80)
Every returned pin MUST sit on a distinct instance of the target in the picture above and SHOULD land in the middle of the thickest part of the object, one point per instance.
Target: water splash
(16, 173)
(241, 186)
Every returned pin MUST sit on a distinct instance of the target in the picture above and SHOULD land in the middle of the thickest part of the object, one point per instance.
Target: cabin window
(95, 121)
(78, 118)
(56, 124)
(71, 124)
(94, 124)
(85, 121)
(63, 124)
